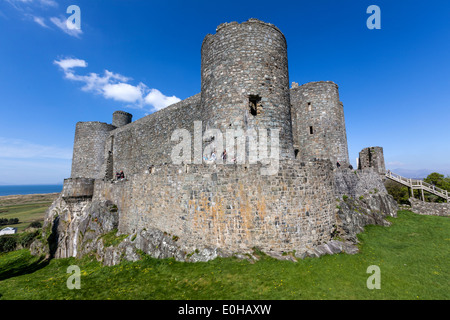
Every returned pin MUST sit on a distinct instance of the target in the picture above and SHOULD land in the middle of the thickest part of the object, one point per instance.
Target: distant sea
(29, 189)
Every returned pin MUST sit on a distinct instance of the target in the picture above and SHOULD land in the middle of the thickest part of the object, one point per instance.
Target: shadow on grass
(21, 267)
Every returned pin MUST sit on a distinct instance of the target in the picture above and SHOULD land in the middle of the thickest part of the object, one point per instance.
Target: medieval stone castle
(194, 209)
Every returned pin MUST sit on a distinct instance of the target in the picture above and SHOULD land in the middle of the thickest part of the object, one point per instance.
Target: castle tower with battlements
(318, 122)
(245, 80)
(228, 206)
(244, 85)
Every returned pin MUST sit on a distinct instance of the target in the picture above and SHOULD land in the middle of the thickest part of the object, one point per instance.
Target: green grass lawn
(413, 255)
(26, 213)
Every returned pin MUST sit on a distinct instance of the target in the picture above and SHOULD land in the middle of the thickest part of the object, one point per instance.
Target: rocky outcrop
(81, 227)
(73, 228)
(362, 199)
(156, 244)
(354, 214)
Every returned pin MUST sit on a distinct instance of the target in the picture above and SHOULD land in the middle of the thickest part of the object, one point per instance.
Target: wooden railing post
(411, 186)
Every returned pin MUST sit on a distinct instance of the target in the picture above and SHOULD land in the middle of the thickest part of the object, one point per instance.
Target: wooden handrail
(418, 184)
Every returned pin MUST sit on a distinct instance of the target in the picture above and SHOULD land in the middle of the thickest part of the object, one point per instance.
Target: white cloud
(61, 23)
(123, 92)
(95, 82)
(40, 21)
(115, 86)
(21, 149)
(49, 3)
(159, 101)
(68, 64)
(44, 3)
(18, 3)
(29, 8)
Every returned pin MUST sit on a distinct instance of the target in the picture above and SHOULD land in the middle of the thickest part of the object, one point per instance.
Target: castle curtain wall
(147, 141)
(231, 207)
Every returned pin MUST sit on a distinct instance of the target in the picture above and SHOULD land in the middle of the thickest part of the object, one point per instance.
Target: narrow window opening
(311, 130)
(254, 103)
(296, 151)
(309, 106)
(109, 174)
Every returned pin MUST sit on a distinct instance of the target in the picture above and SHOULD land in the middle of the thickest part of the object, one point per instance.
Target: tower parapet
(75, 189)
(318, 122)
(245, 80)
(121, 118)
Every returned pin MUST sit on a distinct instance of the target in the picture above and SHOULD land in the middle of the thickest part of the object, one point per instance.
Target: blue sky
(139, 56)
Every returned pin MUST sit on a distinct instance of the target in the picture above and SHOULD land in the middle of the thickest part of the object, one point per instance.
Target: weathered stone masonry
(176, 210)
(318, 122)
(230, 206)
(245, 64)
(430, 208)
(372, 157)
(89, 149)
(147, 141)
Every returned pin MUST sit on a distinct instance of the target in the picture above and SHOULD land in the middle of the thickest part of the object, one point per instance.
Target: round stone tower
(121, 118)
(318, 122)
(245, 81)
(89, 149)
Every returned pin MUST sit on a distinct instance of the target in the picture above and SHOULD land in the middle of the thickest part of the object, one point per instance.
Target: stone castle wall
(147, 141)
(231, 207)
(318, 122)
(245, 85)
(430, 208)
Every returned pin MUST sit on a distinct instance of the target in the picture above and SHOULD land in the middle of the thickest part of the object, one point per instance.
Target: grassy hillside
(26, 213)
(413, 255)
(27, 208)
